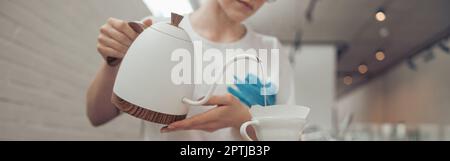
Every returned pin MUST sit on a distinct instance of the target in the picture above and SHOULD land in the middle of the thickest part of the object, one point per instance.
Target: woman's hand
(113, 42)
(228, 113)
(115, 38)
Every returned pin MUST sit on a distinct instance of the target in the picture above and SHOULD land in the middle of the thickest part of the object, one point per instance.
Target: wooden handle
(111, 61)
(138, 28)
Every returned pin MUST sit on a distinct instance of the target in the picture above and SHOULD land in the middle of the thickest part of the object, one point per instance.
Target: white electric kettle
(143, 86)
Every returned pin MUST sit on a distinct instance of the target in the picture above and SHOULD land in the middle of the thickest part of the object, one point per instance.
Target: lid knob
(176, 19)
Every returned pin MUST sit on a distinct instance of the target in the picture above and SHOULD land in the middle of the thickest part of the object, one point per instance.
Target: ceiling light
(384, 32)
(380, 56)
(348, 80)
(380, 16)
(164, 8)
(363, 69)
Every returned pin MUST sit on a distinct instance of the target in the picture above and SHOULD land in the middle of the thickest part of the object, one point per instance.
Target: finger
(240, 96)
(124, 27)
(116, 35)
(147, 23)
(109, 42)
(227, 99)
(210, 127)
(207, 126)
(107, 51)
(199, 119)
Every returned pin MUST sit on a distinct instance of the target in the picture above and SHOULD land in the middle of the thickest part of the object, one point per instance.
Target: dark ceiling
(351, 25)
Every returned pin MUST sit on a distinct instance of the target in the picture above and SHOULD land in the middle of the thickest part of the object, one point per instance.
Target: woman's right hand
(115, 38)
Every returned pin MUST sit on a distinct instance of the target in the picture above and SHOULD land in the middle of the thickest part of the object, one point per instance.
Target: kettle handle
(138, 28)
(213, 88)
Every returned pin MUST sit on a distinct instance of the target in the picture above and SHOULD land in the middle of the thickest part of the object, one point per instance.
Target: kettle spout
(213, 87)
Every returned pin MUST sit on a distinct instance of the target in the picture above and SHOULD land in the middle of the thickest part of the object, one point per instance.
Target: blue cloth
(251, 92)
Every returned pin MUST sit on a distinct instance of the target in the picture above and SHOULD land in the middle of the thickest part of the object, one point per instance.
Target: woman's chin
(239, 16)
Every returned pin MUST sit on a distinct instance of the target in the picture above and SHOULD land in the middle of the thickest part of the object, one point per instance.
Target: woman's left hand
(228, 113)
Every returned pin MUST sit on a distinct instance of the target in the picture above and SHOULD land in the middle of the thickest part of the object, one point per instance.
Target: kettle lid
(172, 28)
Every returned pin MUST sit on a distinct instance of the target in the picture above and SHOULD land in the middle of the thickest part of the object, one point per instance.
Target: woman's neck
(212, 23)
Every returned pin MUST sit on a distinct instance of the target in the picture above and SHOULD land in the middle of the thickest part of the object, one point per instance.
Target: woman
(217, 24)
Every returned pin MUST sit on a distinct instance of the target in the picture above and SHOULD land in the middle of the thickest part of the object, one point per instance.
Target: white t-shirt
(285, 95)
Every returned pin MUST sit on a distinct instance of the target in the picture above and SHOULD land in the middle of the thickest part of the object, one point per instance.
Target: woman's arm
(115, 38)
(100, 110)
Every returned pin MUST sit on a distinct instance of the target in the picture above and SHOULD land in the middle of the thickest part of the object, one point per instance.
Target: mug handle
(243, 129)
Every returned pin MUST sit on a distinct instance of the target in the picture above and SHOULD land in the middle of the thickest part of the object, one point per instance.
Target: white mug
(276, 123)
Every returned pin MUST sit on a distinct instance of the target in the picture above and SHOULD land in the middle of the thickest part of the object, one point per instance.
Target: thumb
(147, 22)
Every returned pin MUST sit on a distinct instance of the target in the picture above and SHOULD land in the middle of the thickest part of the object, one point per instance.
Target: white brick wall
(47, 60)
